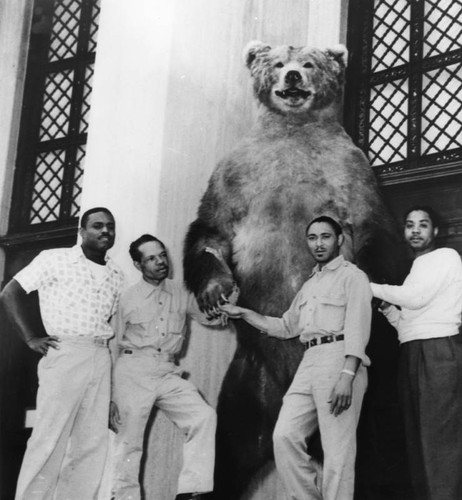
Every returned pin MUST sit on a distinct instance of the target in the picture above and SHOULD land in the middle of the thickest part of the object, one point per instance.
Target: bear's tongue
(293, 92)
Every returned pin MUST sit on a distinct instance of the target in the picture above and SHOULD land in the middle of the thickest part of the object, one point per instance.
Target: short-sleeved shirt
(335, 300)
(151, 317)
(73, 302)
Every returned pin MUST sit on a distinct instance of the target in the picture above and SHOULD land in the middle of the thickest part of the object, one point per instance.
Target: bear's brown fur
(296, 164)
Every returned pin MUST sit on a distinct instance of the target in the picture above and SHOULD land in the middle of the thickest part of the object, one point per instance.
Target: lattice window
(406, 83)
(54, 122)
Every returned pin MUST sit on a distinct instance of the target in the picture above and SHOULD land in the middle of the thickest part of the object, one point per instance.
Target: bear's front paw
(212, 295)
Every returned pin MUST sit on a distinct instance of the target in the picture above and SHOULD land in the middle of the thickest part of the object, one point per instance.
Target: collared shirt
(430, 297)
(336, 299)
(72, 301)
(152, 317)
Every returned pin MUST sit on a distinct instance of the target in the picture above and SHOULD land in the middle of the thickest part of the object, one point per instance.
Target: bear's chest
(285, 177)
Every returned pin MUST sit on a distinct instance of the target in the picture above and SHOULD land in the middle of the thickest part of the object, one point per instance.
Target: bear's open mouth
(293, 92)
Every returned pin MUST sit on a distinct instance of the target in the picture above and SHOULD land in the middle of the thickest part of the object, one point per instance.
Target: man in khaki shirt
(150, 327)
(331, 314)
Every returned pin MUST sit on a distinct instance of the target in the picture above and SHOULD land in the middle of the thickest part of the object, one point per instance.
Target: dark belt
(327, 339)
(155, 353)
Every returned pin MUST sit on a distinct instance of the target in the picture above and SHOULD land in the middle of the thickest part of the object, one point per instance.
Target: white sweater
(430, 297)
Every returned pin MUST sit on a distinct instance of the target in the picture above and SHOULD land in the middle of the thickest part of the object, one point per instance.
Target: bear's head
(296, 80)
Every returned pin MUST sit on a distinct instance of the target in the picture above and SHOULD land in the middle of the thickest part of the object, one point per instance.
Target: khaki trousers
(67, 450)
(142, 381)
(305, 409)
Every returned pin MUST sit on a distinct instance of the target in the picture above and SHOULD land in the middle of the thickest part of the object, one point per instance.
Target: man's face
(323, 243)
(419, 232)
(99, 233)
(154, 262)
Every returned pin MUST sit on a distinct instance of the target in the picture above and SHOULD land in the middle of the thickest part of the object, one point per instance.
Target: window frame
(30, 146)
(360, 80)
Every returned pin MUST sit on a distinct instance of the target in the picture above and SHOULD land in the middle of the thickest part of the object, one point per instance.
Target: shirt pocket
(176, 323)
(330, 314)
(141, 317)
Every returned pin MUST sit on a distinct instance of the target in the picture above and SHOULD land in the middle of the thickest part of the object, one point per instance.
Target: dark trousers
(431, 395)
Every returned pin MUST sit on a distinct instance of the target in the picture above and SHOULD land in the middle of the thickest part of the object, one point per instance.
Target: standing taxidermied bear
(296, 164)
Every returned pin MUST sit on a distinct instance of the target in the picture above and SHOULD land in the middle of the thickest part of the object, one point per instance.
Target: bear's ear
(252, 50)
(338, 53)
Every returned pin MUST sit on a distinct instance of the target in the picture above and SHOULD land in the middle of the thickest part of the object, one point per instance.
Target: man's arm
(391, 312)
(357, 327)
(118, 325)
(282, 328)
(342, 393)
(253, 318)
(14, 301)
(425, 281)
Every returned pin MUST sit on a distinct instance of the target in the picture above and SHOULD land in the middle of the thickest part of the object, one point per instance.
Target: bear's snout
(293, 78)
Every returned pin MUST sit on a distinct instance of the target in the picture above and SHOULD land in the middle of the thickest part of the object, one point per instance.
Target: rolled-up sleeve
(358, 316)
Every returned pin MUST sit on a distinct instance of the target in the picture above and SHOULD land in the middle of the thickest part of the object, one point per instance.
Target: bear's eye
(279, 65)
(308, 65)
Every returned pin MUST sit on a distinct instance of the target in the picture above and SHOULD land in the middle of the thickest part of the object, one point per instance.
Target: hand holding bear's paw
(232, 311)
(211, 296)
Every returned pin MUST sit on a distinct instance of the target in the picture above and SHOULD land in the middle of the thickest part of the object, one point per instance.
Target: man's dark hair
(134, 249)
(86, 215)
(433, 216)
(328, 220)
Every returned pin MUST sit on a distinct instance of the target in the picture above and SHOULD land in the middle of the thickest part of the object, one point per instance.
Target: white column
(15, 21)
(124, 151)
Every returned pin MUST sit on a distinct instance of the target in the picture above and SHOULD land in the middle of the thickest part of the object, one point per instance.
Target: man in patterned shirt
(78, 288)
(150, 326)
(331, 314)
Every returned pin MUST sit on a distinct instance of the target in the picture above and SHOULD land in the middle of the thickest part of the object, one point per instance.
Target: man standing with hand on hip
(331, 314)
(78, 288)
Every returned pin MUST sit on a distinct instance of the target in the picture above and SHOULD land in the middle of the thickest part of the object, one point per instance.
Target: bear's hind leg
(246, 419)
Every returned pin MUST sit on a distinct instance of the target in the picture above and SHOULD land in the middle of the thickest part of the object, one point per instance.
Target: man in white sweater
(426, 311)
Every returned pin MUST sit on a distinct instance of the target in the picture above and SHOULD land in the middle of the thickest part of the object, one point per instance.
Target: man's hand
(234, 312)
(341, 395)
(42, 344)
(114, 417)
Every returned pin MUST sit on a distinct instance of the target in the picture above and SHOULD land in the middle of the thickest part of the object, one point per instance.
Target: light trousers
(66, 453)
(306, 409)
(141, 382)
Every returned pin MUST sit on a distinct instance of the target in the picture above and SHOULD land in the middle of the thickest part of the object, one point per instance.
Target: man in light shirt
(331, 314)
(150, 328)
(78, 290)
(426, 311)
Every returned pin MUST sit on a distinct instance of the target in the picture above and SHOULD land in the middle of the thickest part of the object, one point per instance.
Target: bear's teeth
(285, 94)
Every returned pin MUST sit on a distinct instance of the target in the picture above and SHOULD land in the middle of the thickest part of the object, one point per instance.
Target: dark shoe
(187, 496)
